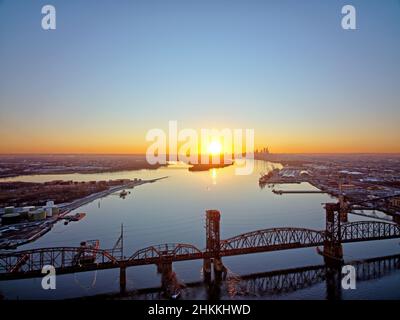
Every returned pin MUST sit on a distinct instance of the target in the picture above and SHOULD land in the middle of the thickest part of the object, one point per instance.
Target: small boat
(123, 193)
(75, 217)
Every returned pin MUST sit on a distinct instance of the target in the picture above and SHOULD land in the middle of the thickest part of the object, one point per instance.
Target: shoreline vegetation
(14, 165)
(22, 165)
(206, 167)
(18, 194)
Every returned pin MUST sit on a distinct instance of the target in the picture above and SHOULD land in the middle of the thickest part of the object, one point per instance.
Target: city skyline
(109, 73)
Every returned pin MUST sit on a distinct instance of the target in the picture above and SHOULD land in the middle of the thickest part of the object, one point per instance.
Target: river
(173, 210)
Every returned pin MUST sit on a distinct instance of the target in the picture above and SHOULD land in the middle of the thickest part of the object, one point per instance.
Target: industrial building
(12, 215)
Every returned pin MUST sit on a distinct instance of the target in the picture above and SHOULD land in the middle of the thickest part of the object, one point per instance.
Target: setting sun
(214, 148)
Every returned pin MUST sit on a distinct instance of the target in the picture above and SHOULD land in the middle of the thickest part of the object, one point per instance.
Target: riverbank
(80, 202)
(23, 165)
(13, 236)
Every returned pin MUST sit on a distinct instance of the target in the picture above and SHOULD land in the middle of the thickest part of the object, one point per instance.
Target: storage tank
(8, 210)
(49, 212)
(38, 215)
(24, 213)
(50, 203)
(49, 208)
(10, 218)
(41, 215)
(29, 208)
(55, 211)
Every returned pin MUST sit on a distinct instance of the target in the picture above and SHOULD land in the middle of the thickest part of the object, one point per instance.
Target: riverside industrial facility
(14, 215)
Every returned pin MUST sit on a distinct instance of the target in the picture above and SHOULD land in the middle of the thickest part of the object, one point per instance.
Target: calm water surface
(173, 210)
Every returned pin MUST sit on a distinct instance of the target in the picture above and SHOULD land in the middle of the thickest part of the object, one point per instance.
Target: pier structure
(213, 246)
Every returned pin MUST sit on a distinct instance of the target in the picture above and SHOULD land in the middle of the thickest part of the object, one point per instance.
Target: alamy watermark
(210, 146)
(349, 278)
(49, 280)
(349, 18)
(348, 21)
(49, 18)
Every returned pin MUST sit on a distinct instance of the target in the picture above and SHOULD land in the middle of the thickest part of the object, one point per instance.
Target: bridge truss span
(272, 239)
(165, 253)
(369, 230)
(63, 259)
(29, 263)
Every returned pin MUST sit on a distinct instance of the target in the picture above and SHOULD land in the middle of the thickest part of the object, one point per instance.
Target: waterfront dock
(296, 191)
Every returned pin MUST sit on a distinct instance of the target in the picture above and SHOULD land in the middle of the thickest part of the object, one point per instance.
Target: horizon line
(143, 154)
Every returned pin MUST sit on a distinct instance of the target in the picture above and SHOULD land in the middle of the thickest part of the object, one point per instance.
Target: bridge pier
(207, 270)
(215, 264)
(213, 246)
(333, 255)
(169, 283)
(219, 269)
(122, 279)
(333, 250)
(334, 282)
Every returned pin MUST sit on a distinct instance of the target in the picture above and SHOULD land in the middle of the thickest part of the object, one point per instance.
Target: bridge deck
(27, 264)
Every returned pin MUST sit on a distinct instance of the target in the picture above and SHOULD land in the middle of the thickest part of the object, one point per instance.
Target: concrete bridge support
(333, 282)
(333, 250)
(207, 270)
(219, 269)
(122, 279)
(333, 255)
(213, 246)
(168, 277)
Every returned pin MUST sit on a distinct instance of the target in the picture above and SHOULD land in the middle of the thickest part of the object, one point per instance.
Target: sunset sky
(112, 70)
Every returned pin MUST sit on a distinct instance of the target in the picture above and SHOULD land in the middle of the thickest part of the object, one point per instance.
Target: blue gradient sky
(114, 69)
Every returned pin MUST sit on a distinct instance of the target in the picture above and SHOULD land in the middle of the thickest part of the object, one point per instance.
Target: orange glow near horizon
(213, 149)
(124, 141)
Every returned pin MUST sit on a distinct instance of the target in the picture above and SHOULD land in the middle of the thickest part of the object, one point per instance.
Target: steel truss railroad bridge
(29, 263)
